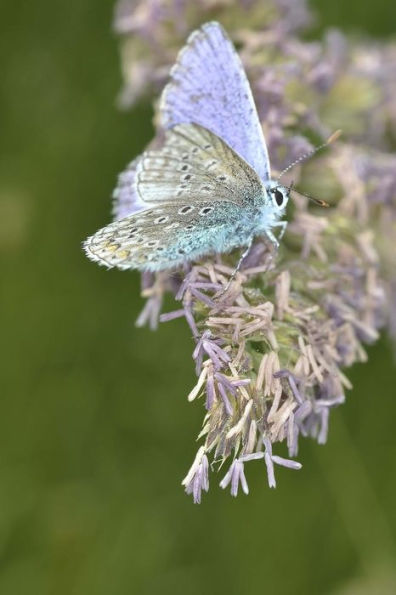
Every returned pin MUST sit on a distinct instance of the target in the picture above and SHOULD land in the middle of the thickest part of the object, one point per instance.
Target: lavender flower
(270, 353)
(235, 475)
(197, 478)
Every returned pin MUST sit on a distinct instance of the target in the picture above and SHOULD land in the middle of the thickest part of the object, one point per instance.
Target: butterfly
(208, 188)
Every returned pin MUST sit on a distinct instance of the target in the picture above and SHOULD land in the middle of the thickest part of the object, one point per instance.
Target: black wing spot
(211, 164)
(185, 210)
(162, 219)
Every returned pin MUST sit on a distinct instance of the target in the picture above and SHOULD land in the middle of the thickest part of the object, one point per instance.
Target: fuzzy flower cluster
(271, 352)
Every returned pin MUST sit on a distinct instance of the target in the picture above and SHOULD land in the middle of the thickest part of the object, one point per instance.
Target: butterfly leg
(282, 225)
(238, 266)
(272, 238)
(270, 235)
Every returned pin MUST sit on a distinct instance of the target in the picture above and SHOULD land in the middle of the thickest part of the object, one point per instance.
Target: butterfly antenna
(306, 156)
(317, 201)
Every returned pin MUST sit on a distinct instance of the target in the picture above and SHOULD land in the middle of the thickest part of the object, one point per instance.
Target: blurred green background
(95, 430)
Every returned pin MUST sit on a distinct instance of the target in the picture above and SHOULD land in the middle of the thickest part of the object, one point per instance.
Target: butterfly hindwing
(166, 236)
(208, 86)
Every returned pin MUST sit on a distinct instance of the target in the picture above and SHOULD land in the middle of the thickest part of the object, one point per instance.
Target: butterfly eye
(279, 198)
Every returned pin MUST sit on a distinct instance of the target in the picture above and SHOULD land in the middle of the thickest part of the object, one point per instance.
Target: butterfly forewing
(195, 163)
(125, 196)
(209, 86)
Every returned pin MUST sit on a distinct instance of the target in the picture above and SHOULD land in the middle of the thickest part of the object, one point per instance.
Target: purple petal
(267, 445)
(190, 321)
(270, 470)
(224, 398)
(254, 456)
(218, 356)
(235, 475)
(324, 426)
(286, 462)
(197, 478)
(150, 313)
(227, 477)
(226, 383)
(292, 382)
(304, 410)
(210, 392)
(244, 485)
(202, 297)
(171, 315)
(235, 478)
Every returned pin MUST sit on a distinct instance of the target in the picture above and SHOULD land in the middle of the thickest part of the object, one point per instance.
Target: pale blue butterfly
(208, 188)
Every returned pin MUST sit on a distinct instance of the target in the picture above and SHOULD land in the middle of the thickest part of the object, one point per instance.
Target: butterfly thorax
(269, 205)
(259, 219)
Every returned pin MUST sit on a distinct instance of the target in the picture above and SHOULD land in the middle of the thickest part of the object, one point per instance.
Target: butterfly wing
(194, 162)
(209, 86)
(199, 189)
(126, 199)
(167, 236)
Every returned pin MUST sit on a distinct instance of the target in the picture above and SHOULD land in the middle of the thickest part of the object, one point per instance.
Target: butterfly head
(279, 195)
